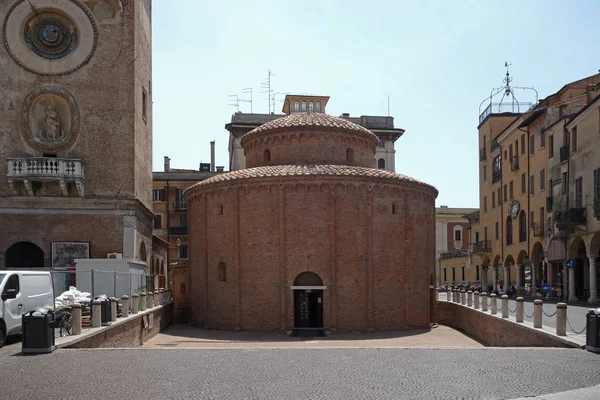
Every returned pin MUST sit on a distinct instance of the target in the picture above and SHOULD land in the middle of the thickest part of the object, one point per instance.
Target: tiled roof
(276, 171)
(310, 120)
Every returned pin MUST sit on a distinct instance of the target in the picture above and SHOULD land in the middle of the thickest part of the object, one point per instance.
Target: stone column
(476, 299)
(469, 299)
(96, 314)
(504, 306)
(76, 319)
(150, 299)
(506, 277)
(448, 294)
(143, 305)
(113, 309)
(484, 304)
(125, 309)
(593, 286)
(134, 303)
(519, 276)
(495, 277)
(537, 313)
(494, 310)
(484, 281)
(520, 309)
(549, 267)
(572, 296)
(561, 319)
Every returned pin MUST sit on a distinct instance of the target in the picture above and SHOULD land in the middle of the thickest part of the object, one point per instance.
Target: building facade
(75, 132)
(310, 235)
(382, 127)
(527, 220)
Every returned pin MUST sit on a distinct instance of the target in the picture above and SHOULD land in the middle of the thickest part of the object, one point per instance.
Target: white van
(21, 292)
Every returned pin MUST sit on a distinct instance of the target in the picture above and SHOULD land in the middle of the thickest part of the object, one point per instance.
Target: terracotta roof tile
(275, 171)
(313, 119)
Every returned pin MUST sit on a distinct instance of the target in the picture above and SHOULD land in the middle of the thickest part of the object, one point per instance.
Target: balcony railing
(514, 163)
(496, 176)
(178, 230)
(499, 108)
(483, 246)
(482, 155)
(538, 229)
(564, 153)
(179, 205)
(570, 218)
(597, 207)
(61, 170)
(454, 254)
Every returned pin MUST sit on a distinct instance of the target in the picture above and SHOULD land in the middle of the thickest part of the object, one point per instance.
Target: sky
(436, 60)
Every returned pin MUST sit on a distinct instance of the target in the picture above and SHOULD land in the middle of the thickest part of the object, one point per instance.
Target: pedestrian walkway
(592, 393)
(183, 336)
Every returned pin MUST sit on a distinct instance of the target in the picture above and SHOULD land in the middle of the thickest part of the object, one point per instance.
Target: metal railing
(178, 230)
(454, 254)
(496, 176)
(179, 205)
(514, 163)
(483, 246)
(499, 108)
(538, 229)
(570, 218)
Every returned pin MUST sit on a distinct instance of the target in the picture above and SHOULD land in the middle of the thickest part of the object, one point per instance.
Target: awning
(556, 250)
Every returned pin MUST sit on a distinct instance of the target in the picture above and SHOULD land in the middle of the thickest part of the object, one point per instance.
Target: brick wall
(464, 238)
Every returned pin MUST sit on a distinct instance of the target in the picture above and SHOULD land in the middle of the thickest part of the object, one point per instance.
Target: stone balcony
(33, 172)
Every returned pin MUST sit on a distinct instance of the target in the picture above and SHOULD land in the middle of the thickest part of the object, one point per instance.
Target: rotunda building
(310, 236)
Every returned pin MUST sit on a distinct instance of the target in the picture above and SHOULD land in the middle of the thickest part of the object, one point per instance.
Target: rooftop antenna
(388, 105)
(234, 101)
(267, 85)
(246, 91)
(508, 92)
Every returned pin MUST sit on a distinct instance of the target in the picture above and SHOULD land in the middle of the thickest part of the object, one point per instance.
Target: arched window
(311, 107)
(509, 235)
(143, 254)
(349, 155)
(318, 106)
(381, 164)
(303, 106)
(522, 227)
(296, 105)
(267, 155)
(222, 272)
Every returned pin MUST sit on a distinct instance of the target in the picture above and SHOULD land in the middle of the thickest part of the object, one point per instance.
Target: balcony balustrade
(483, 246)
(44, 169)
(570, 218)
(538, 229)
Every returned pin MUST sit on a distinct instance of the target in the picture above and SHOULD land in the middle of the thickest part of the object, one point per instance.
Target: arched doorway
(24, 255)
(308, 304)
(577, 287)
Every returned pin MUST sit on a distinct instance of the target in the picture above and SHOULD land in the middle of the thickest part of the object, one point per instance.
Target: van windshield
(2, 277)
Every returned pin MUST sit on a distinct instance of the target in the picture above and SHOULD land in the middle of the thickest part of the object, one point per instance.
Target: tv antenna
(267, 85)
(508, 93)
(234, 101)
(246, 91)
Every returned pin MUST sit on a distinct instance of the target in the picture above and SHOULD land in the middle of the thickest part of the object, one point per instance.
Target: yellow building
(516, 142)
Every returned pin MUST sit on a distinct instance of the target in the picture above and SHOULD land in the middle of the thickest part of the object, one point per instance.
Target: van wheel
(2, 334)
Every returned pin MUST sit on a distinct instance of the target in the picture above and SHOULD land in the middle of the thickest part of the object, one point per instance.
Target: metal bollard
(463, 297)
(494, 310)
(520, 309)
(134, 303)
(537, 313)
(483, 298)
(113, 309)
(448, 294)
(476, 300)
(561, 319)
(469, 299)
(125, 309)
(96, 314)
(75, 319)
(504, 306)
(143, 305)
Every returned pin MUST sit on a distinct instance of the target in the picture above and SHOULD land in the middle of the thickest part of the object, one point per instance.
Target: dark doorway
(579, 289)
(24, 255)
(308, 305)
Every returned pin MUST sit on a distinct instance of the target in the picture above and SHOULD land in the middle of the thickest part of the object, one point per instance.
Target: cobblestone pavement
(296, 373)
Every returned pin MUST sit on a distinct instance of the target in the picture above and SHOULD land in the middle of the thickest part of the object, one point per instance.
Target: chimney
(167, 164)
(346, 115)
(212, 156)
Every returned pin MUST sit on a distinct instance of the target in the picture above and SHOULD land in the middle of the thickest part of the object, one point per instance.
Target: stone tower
(75, 131)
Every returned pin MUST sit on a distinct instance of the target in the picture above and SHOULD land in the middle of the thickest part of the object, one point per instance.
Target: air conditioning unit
(114, 255)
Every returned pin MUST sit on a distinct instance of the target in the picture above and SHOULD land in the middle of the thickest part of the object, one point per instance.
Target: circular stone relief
(50, 37)
(50, 119)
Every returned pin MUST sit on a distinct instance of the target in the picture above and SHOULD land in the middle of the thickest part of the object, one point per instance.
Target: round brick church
(310, 236)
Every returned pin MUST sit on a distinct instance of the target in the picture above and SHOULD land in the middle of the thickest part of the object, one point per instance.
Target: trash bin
(104, 310)
(37, 332)
(592, 342)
